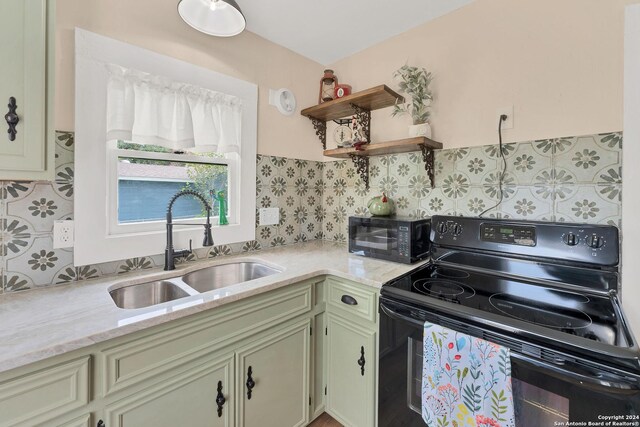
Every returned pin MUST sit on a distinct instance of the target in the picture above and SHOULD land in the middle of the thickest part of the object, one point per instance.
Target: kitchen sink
(147, 294)
(220, 276)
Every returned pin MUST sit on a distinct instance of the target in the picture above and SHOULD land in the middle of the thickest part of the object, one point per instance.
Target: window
(128, 169)
(144, 177)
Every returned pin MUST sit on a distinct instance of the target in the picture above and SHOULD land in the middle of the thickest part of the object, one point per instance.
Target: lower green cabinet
(273, 379)
(273, 360)
(351, 367)
(200, 396)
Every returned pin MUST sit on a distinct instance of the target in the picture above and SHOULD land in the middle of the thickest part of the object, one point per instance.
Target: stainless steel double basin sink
(194, 283)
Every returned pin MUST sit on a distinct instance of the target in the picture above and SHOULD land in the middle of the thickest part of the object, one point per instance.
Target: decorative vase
(423, 129)
(381, 206)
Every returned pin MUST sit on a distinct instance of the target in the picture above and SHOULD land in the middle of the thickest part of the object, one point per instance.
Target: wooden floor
(325, 420)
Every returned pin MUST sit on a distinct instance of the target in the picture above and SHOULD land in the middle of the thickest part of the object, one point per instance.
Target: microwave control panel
(404, 247)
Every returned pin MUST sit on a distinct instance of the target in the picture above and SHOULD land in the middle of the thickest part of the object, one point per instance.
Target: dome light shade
(222, 18)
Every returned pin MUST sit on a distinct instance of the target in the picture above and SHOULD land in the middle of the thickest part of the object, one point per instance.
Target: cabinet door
(188, 399)
(351, 372)
(23, 31)
(273, 378)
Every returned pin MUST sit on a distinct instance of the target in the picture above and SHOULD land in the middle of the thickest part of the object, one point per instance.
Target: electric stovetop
(590, 316)
(550, 285)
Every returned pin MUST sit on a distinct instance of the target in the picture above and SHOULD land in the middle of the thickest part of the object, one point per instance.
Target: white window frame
(115, 227)
(98, 236)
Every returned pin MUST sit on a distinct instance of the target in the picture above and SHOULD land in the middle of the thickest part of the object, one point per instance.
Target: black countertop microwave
(396, 239)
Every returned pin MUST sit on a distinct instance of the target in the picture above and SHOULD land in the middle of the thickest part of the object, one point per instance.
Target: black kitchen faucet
(169, 254)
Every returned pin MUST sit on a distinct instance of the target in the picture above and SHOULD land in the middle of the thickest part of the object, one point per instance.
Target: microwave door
(375, 238)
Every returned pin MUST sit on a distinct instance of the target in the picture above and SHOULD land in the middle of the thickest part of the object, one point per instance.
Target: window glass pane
(146, 185)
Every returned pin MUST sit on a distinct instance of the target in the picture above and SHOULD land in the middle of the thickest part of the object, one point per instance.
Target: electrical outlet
(508, 111)
(269, 216)
(63, 234)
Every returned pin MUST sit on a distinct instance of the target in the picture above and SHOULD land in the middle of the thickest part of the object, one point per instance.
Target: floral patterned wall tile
(588, 157)
(543, 180)
(28, 210)
(576, 179)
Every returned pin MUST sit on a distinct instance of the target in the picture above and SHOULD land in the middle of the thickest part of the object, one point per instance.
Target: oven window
(414, 375)
(536, 407)
(376, 238)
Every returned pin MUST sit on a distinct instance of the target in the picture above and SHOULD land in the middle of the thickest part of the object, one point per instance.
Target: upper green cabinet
(26, 76)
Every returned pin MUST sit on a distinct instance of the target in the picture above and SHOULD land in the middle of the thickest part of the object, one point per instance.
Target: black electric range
(548, 291)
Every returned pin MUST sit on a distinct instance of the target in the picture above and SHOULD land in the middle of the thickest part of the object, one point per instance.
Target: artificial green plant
(414, 81)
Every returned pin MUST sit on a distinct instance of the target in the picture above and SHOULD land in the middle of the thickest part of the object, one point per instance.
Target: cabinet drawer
(352, 300)
(137, 360)
(45, 394)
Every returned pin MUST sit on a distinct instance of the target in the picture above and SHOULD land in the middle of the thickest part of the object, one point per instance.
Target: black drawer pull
(250, 383)
(12, 119)
(361, 361)
(220, 400)
(349, 300)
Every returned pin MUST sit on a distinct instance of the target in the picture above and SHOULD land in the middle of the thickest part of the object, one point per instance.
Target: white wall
(559, 62)
(156, 25)
(630, 170)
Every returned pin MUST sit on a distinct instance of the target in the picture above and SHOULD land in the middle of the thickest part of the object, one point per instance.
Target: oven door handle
(592, 380)
(394, 315)
(611, 381)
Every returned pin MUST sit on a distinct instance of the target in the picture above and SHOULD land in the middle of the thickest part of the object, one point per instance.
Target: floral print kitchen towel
(466, 381)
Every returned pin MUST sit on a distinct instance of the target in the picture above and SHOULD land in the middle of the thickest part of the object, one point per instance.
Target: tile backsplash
(574, 179)
(29, 209)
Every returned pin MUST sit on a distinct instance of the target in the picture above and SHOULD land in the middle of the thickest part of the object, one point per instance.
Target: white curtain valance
(148, 109)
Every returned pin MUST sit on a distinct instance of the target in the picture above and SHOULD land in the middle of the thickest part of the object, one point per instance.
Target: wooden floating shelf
(371, 99)
(382, 148)
(360, 157)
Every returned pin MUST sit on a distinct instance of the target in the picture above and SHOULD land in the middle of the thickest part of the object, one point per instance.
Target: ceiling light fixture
(221, 18)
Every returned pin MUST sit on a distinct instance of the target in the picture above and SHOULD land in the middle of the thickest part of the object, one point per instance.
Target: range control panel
(509, 234)
(585, 243)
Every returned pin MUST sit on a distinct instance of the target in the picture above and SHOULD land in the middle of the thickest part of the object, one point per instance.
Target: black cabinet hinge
(310, 331)
(309, 400)
(325, 390)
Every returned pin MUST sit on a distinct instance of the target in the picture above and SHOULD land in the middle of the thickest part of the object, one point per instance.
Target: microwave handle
(611, 382)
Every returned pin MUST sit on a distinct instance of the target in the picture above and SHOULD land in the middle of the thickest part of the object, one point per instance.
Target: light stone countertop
(42, 323)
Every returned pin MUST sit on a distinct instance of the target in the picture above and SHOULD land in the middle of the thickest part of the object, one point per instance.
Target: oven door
(544, 394)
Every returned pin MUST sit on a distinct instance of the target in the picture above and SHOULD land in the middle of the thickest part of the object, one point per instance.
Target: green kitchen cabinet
(351, 372)
(46, 393)
(191, 398)
(298, 350)
(27, 34)
(273, 378)
(352, 352)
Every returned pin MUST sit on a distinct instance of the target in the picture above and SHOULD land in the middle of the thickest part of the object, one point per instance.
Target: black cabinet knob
(220, 400)
(12, 119)
(250, 383)
(362, 361)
